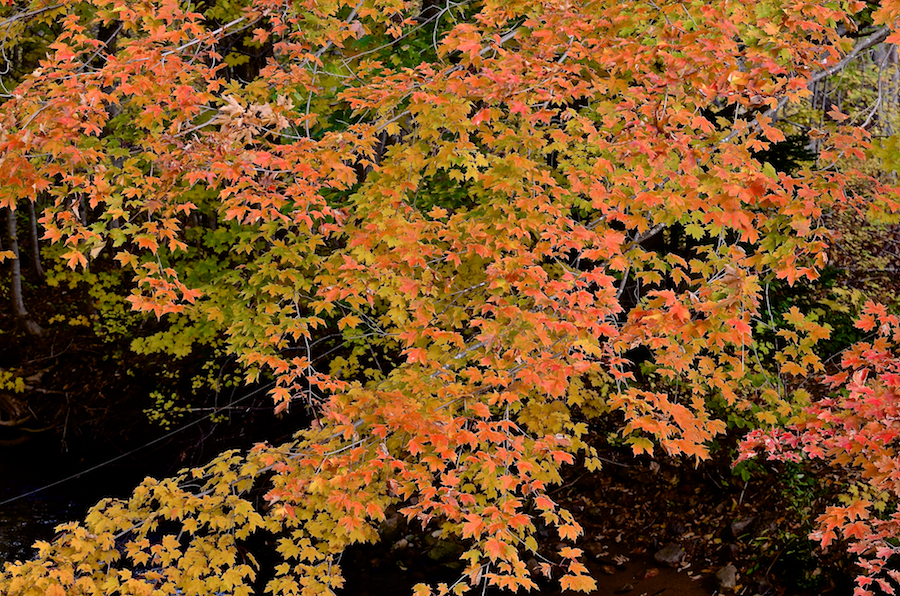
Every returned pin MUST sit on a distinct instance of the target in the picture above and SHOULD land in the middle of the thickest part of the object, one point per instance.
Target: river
(25, 518)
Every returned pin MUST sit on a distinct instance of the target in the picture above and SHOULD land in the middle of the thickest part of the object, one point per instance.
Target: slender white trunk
(18, 302)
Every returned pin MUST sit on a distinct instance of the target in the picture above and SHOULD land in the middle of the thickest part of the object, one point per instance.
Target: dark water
(34, 517)
(101, 471)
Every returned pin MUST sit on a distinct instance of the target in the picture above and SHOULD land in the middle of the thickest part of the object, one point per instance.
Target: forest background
(458, 249)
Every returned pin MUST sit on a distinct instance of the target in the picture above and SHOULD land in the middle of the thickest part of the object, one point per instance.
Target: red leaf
(495, 548)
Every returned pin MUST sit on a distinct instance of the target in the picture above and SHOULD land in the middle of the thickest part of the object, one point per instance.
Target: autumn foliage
(468, 200)
(858, 429)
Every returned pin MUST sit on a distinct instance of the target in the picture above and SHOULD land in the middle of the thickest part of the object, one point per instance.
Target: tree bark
(18, 302)
(35, 243)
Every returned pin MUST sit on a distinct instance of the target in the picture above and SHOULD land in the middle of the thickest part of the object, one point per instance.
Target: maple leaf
(470, 47)
(837, 115)
(495, 548)
(578, 583)
(542, 502)
(147, 241)
(481, 116)
(409, 287)
(740, 326)
(473, 527)
(569, 531)
(416, 355)
(562, 456)
(74, 258)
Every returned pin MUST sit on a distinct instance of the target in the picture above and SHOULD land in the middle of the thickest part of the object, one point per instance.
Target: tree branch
(861, 46)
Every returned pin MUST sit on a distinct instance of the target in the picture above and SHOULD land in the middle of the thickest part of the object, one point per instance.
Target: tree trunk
(35, 244)
(18, 303)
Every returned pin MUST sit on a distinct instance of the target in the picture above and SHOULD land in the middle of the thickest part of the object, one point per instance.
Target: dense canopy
(452, 232)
